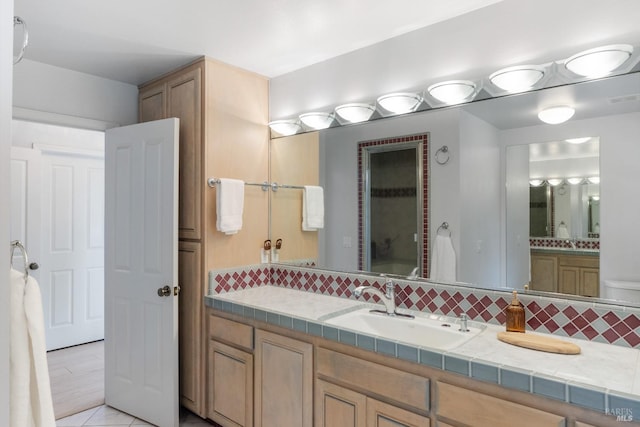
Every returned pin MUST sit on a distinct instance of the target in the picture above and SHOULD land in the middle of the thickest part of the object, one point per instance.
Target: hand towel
(563, 232)
(229, 205)
(443, 260)
(31, 402)
(312, 208)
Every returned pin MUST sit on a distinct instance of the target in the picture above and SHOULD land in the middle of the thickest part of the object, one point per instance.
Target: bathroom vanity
(279, 356)
(566, 271)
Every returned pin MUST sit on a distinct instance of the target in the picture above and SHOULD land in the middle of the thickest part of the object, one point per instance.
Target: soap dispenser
(515, 315)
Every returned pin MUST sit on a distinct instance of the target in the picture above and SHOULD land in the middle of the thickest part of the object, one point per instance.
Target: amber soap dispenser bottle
(515, 315)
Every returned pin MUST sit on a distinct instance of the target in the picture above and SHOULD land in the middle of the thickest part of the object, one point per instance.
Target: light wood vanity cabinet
(230, 373)
(468, 407)
(283, 381)
(223, 113)
(303, 380)
(567, 274)
(544, 273)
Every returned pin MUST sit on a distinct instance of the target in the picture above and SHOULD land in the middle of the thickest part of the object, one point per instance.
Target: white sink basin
(421, 331)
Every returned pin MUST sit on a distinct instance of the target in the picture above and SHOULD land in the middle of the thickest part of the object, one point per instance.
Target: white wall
(338, 176)
(516, 217)
(480, 213)
(69, 94)
(620, 192)
(6, 70)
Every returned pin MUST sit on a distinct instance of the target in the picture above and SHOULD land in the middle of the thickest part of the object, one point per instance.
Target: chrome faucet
(413, 275)
(573, 242)
(388, 298)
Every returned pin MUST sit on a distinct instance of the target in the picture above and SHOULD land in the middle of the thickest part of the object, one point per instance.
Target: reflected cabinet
(567, 274)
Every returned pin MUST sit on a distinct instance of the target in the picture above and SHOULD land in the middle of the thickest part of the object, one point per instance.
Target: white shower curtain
(31, 403)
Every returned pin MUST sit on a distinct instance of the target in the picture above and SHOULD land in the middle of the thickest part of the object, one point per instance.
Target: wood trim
(283, 381)
(378, 412)
(229, 385)
(472, 408)
(234, 333)
(352, 411)
(405, 389)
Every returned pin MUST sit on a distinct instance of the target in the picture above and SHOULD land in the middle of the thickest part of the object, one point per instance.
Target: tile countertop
(602, 377)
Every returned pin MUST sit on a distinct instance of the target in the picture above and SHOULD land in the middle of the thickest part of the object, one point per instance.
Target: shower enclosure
(392, 207)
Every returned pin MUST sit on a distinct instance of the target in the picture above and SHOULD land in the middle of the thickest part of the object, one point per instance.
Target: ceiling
(134, 41)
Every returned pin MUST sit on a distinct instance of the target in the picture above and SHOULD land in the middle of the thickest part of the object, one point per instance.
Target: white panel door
(141, 257)
(72, 256)
(25, 204)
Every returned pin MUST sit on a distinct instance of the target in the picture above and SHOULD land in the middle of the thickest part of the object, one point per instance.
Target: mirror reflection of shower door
(393, 219)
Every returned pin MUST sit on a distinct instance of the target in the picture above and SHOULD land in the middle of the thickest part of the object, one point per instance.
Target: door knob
(164, 291)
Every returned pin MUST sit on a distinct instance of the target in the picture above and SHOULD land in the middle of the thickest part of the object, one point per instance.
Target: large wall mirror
(484, 192)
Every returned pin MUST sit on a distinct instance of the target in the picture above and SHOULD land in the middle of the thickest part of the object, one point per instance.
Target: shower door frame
(420, 143)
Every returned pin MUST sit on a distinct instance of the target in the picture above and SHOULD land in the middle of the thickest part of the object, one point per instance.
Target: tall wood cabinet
(223, 114)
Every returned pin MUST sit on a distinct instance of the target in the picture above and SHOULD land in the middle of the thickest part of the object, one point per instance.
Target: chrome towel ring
(25, 37)
(442, 155)
(444, 226)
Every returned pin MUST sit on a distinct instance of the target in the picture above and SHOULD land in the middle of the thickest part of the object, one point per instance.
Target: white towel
(312, 208)
(563, 232)
(31, 402)
(443, 260)
(229, 205)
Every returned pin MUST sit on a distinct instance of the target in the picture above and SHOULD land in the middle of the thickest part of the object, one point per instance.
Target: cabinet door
(590, 282)
(339, 407)
(152, 103)
(229, 386)
(184, 101)
(569, 280)
(380, 414)
(472, 408)
(190, 320)
(544, 273)
(283, 381)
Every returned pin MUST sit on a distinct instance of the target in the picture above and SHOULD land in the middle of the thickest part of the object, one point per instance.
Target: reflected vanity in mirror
(490, 213)
(564, 188)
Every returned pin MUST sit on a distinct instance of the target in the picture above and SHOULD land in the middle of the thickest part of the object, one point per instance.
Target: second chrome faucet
(388, 298)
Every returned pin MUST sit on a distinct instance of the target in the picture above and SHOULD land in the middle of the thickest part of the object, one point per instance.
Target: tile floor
(103, 416)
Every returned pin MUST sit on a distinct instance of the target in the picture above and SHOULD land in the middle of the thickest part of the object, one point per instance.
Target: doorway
(393, 205)
(57, 211)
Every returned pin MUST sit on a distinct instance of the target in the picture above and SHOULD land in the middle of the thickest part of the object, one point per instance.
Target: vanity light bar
(554, 182)
(592, 63)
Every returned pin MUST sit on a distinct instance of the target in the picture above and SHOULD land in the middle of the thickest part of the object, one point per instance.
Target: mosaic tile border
(552, 242)
(604, 323)
(590, 397)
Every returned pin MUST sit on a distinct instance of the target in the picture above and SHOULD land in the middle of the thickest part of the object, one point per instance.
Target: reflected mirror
(563, 179)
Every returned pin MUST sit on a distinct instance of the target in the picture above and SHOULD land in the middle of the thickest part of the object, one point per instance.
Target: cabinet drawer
(231, 332)
(579, 261)
(472, 408)
(372, 378)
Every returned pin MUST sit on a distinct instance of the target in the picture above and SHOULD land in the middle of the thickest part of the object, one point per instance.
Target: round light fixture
(578, 140)
(317, 120)
(517, 79)
(536, 182)
(453, 91)
(400, 103)
(594, 179)
(285, 127)
(574, 181)
(554, 181)
(355, 112)
(556, 115)
(599, 61)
